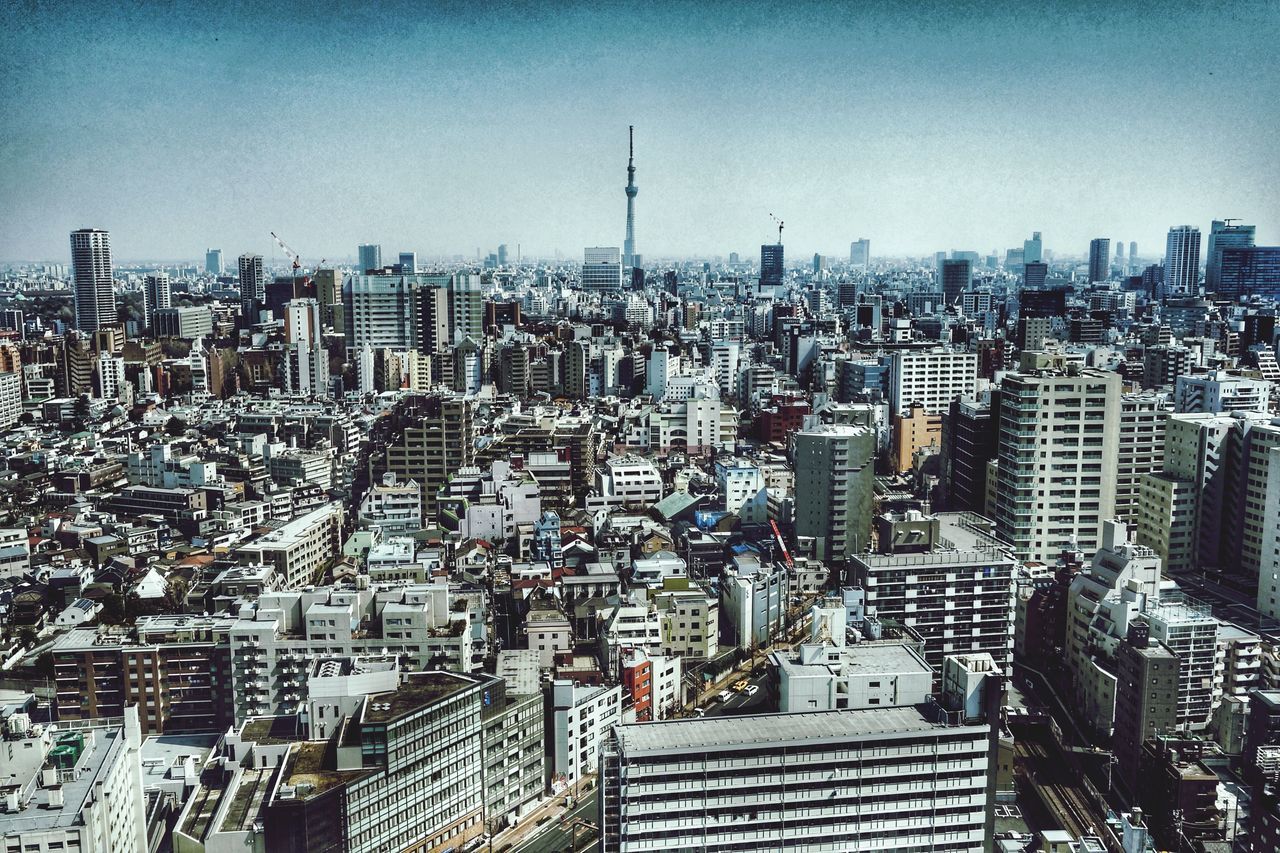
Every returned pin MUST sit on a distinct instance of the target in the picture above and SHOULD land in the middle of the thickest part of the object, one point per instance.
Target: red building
(637, 682)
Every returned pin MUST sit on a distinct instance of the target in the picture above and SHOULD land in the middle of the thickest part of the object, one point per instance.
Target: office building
(860, 253)
(601, 268)
(1246, 272)
(835, 470)
(582, 717)
(1189, 630)
(1099, 259)
(945, 576)
(969, 441)
(369, 257)
(429, 451)
(893, 779)
(213, 262)
(191, 322)
(253, 287)
(1133, 254)
(71, 789)
(1058, 457)
(1032, 250)
(301, 549)
(771, 265)
(1182, 261)
(1223, 234)
(503, 255)
(156, 294)
(409, 263)
(94, 283)
(404, 771)
(1034, 276)
(956, 277)
(466, 307)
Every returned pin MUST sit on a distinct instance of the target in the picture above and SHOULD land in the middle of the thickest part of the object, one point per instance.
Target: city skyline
(927, 129)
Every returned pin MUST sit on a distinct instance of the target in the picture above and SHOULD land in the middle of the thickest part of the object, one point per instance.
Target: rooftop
(773, 730)
(418, 691)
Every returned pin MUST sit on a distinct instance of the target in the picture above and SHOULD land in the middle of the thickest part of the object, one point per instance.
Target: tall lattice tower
(629, 257)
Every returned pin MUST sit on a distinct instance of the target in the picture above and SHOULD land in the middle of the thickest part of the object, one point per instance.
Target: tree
(175, 596)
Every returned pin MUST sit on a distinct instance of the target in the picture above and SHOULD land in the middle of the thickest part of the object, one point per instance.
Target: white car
(752, 690)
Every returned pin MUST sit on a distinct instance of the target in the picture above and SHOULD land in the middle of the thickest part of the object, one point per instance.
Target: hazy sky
(447, 128)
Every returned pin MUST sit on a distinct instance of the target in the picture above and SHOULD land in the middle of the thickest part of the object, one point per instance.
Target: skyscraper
(253, 287)
(1120, 254)
(601, 268)
(1182, 260)
(771, 265)
(835, 478)
(860, 252)
(1133, 253)
(503, 255)
(156, 294)
(1223, 235)
(1034, 275)
(308, 363)
(409, 262)
(1248, 271)
(95, 294)
(629, 243)
(1032, 250)
(957, 278)
(370, 257)
(213, 262)
(1100, 259)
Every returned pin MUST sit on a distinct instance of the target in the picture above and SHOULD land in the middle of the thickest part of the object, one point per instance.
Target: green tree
(175, 596)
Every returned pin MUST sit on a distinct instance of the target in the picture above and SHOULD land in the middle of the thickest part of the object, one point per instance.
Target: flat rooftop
(419, 691)
(763, 731)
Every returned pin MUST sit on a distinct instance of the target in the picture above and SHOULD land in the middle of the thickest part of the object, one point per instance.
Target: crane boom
(293, 256)
(777, 534)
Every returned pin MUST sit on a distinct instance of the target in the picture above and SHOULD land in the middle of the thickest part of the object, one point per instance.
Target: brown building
(914, 430)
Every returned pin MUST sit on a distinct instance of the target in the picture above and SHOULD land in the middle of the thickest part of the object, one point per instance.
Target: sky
(447, 128)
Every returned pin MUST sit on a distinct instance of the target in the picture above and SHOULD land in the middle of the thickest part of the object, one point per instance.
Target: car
(740, 685)
(753, 689)
(701, 712)
(725, 695)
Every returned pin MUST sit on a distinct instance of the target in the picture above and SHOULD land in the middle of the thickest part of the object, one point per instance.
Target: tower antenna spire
(629, 256)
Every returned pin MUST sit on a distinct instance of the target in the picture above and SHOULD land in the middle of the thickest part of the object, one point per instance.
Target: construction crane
(293, 257)
(777, 220)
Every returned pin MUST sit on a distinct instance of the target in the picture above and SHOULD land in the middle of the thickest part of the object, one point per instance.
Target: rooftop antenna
(779, 221)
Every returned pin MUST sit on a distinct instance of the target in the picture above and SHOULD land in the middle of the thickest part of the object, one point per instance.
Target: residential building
(834, 482)
(932, 378)
(1182, 261)
(580, 720)
(301, 549)
(95, 298)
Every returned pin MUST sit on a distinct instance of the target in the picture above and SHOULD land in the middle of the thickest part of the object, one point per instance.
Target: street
(556, 836)
(741, 703)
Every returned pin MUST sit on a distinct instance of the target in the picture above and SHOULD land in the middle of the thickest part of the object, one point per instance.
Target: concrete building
(834, 483)
(580, 720)
(1219, 392)
(1146, 699)
(931, 378)
(753, 602)
(1182, 261)
(190, 322)
(881, 779)
(946, 577)
(307, 368)
(1269, 575)
(392, 505)
(601, 268)
(77, 789)
(156, 294)
(300, 550)
(1058, 457)
(253, 286)
(742, 485)
(914, 430)
(95, 302)
(439, 442)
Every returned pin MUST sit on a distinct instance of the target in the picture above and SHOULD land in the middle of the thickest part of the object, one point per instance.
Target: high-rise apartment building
(601, 268)
(956, 278)
(1099, 259)
(1146, 698)
(253, 287)
(94, 282)
(1182, 261)
(439, 440)
(213, 262)
(1223, 234)
(932, 378)
(1269, 574)
(369, 256)
(968, 443)
(947, 577)
(308, 362)
(835, 468)
(1058, 456)
(156, 295)
(1140, 449)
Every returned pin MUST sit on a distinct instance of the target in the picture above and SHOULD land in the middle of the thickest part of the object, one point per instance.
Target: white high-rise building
(1182, 260)
(10, 399)
(1058, 458)
(932, 378)
(308, 361)
(1218, 392)
(601, 268)
(94, 283)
